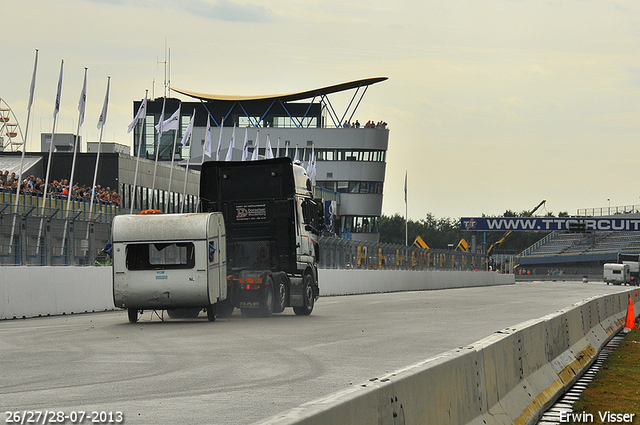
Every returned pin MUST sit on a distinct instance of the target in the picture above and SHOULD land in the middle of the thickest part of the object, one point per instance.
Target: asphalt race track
(240, 370)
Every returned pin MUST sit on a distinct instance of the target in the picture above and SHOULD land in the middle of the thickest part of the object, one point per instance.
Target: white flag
(295, 157)
(311, 171)
(245, 146)
(32, 88)
(219, 141)
(57, 105)
(269, 152)
(231, 143)
(278, 147)
(256, 150)
(142, 112)
(188, 131)
(405, 187)
(286, 151)
(103, 116)
(170, 123)
(82, 103)
(207, 139)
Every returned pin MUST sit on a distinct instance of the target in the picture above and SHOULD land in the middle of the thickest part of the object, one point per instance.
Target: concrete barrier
(349, 282)
(41, 291)
(510, 377)
(44, 291)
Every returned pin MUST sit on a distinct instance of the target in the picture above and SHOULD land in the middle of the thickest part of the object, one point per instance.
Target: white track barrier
(348, 282)
(510, 377)
(44, 291)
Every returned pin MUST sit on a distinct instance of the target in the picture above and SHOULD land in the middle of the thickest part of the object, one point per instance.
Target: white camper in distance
(173, 262)
(618, 274)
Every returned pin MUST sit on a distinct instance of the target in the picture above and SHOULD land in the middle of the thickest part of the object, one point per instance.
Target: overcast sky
(492, 105)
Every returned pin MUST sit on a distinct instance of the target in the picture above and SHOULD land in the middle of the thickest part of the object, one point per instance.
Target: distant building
(63, 142)
(350, 160)
(108, 147)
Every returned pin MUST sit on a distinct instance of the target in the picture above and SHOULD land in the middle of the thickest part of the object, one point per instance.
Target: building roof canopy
(285, 97)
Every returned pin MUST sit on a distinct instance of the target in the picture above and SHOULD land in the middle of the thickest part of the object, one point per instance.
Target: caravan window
(153, 256)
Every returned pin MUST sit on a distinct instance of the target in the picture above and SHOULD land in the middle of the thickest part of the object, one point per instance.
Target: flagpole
(219, 142)
(53, 135)
(229, 156)
(186, 170)
(81, 109)
(173, 155)
(406, 212)
(245, 146)
(24, 148)
(101, 121)
(206, 149)
(255, 153)
(143, 107)
(155, 166)
(269, 152)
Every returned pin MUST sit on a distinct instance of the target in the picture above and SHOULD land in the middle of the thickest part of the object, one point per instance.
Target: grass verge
(616, 387)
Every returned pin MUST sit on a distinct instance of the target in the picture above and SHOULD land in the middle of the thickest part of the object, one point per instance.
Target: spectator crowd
(57, 189)
(369, 124)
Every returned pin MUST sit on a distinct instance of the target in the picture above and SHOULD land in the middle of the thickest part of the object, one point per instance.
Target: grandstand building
(579, 252)
(350, 158)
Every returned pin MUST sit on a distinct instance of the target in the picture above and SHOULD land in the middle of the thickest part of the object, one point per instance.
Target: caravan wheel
(211, 312)
(133, 315)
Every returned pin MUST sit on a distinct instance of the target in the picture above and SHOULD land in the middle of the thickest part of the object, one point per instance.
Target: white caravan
(618, 274)
(174, 262)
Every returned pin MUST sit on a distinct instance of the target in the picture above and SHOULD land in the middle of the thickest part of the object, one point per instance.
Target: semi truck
(633, 261)
(253, 247)
(272, 227)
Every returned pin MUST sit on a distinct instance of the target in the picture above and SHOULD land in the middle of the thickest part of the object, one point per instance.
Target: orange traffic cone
(631, 317)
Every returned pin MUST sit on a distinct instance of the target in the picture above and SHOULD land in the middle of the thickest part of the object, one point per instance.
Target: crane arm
(506, 235)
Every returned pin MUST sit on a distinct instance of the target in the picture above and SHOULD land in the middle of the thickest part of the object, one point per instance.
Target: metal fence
(27, 239)
(30, 238)
(351, 254)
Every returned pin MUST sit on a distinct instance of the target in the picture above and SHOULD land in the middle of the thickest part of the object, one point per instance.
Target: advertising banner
(250, 212)
(550, 224)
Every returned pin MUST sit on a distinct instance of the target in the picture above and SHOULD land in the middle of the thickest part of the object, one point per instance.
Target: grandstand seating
(565, 243)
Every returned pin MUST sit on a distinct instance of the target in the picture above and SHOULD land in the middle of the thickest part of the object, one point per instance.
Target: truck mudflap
(248, 291)
(253, 292)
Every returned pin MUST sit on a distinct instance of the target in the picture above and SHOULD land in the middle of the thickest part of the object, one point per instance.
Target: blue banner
(550, 224)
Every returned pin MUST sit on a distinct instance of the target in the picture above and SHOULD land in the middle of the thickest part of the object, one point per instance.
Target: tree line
(440, 233)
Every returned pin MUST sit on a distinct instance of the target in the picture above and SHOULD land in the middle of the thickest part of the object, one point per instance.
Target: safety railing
(31, 239)
(51, 239)
(338, 253)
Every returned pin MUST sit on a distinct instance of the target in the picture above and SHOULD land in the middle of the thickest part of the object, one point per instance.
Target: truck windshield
(154, 256)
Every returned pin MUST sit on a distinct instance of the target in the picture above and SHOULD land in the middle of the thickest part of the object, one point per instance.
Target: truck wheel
(281, 294)
(267, 301)
(133, 315)
(308, 296)
(211, 312)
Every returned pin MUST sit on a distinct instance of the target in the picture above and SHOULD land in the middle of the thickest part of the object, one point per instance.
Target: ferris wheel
(11, 137)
